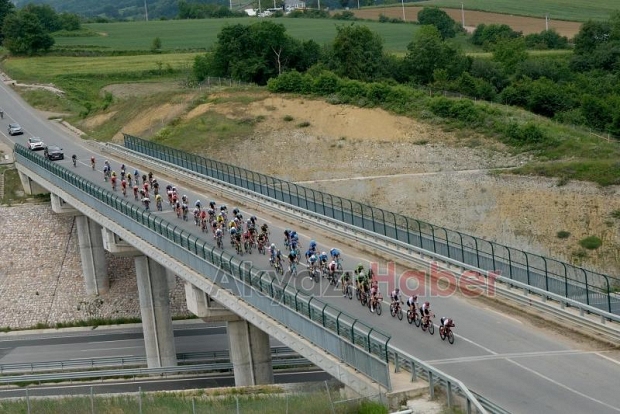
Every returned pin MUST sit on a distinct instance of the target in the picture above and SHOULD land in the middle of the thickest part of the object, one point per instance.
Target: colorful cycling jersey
(323, 258)
(334, 253)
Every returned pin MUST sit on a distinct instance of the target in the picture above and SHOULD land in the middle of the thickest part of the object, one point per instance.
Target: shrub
(615, 214)
(288, 118)
(304, 124)
(525, 134)
(562, 234)
(326, 84)
(591, 243)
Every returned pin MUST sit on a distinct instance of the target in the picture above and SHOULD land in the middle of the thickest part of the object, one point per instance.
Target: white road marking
(538, 374)
(615, 361)
(512, 355)
(559, 384)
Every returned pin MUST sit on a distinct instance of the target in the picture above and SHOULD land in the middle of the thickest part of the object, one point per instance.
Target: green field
(183, 35)
(46, 68)
(574, 10)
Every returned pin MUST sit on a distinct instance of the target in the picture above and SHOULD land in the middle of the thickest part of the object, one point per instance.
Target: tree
(255, 53)
(510, 52)
(156, 45)
(70, 21)
(438, 18)
(357, 53)
(427, 53)
(46, 14)
(488, 35)
(25, 35)
(6, 7)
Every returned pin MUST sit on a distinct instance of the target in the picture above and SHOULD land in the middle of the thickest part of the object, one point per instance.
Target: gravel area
(41, 276)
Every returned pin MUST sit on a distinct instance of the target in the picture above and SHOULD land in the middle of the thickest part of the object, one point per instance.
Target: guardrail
(341, 335)
(137, 372)
(560, 278)
(448, 383)
(185, 357)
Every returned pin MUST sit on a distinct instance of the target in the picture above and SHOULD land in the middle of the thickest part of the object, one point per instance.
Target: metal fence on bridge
(359, 345)
(552, 275)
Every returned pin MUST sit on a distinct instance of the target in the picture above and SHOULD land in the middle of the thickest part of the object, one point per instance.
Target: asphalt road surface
(523, 368)
(196, 336)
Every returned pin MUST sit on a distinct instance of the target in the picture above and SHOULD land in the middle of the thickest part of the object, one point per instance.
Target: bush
(345, 15)
(326, 83)
(591, 243)
(615, 214)
(526, 134)
(563, 234)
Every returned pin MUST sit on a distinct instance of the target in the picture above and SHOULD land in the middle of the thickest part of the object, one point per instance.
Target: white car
(35, 143)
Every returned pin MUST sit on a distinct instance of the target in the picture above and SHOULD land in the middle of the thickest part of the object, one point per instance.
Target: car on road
(15, 129)
(53, 153)
(35, 143)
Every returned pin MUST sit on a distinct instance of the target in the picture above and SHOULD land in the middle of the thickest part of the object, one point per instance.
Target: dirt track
(473, 18)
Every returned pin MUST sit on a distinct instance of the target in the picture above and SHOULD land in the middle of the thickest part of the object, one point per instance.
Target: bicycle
(292, 268)
(375, 303)
(160, 207)
(74, 159)
(348, 290)
(412, 317)
(396, 310)
(428, 324)
(218, 240)
(446, 332)
(92, 163)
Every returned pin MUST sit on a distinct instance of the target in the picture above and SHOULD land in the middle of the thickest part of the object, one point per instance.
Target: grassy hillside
(576, 10)
(201, 34)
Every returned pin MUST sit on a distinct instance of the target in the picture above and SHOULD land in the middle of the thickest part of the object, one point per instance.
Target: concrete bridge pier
(30, 187)
(250, 354)
(156, 315)
(94, 264)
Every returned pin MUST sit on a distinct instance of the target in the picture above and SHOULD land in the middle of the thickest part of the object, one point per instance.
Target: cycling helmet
(273, 245)
(253, 218)
(427, 304)
(323, 254)
(415, 297)
(312, 243)
(197, 202)
(313, 257)
(397, 290)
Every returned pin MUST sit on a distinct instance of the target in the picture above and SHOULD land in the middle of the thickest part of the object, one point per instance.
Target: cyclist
(425, 311)
(272, 253)
(113, 179)
(124, 187)
(129, 179)
(237, 240)
(412, 302)
(185, 209)
(136, 175)
(312, 263)
(346, 281)
(331, 270)
(323, 259)
(150, 177)
(135, 192)
(123, 172)
(212, 204)
(334, 253)
(361, 277)
(292, 261)
(219, 234)
(374, 296)
(146, 201)
(106, 172)
(312, 246)
(158, 202)
(198, 205)
(445, 324)
(155, 186)
(265, 229)
(74, 159)
(92, 162)
(395, 297)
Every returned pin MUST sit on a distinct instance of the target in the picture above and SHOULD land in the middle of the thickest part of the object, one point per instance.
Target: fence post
(28, 400)
(431, 385)
(331, 403)
(92, 401)
(449, 393)
(140, 400)
(237, 402)
(414, 376)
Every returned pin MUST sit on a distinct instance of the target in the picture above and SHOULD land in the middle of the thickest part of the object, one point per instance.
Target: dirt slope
(408, 167)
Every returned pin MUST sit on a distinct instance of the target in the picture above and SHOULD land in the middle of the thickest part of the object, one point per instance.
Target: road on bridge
(505, 357)
(107, 341)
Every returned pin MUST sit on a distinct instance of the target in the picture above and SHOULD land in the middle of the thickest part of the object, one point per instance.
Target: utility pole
(402, 2)
(463, 15)
(547, 22)
(146, 12)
